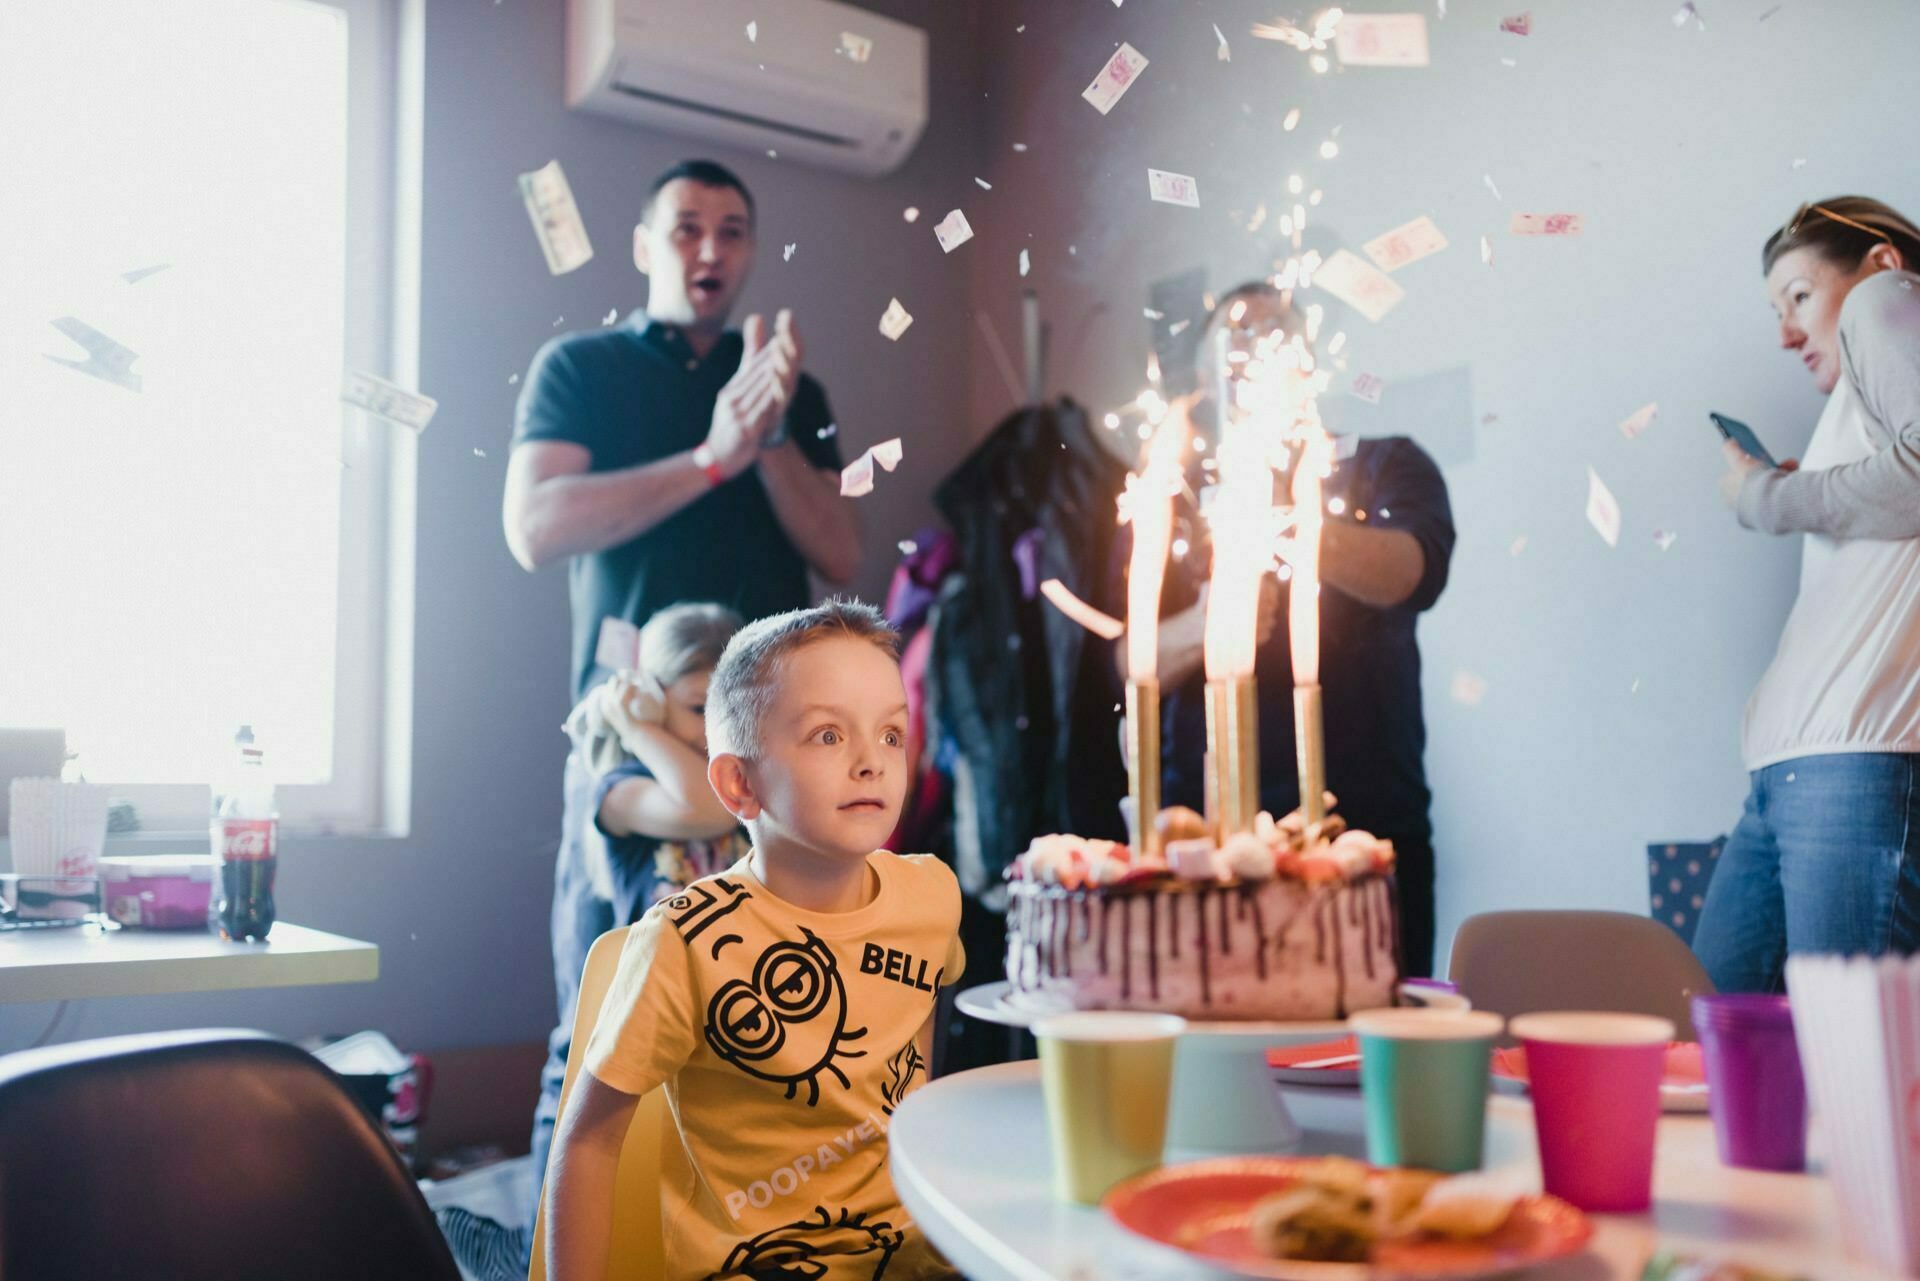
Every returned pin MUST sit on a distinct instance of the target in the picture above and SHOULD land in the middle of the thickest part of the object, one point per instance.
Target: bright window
(206, 550)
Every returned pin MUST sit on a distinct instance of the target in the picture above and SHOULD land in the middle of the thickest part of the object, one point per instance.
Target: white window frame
(370, 788)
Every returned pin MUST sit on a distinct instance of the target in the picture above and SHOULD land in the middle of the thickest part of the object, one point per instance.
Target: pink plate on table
(1201, 1209)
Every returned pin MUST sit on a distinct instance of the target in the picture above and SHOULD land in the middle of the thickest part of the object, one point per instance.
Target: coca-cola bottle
(246, 843)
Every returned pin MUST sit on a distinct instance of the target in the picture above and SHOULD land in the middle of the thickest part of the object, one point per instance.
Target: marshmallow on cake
(1289, 921)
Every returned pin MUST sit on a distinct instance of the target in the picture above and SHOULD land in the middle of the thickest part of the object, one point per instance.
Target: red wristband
(710, 466)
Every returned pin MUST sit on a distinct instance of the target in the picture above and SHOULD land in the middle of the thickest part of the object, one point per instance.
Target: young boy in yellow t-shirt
(786, 1004)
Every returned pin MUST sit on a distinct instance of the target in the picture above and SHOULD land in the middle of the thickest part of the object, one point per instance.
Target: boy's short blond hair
(748, 675)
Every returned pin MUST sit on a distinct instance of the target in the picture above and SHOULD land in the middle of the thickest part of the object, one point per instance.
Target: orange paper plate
(1201, 1208)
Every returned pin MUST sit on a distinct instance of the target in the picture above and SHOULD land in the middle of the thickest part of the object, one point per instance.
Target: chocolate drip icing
(1153, 945)
(1250, 901)
(1363, 894)
(1105, 903)
(1126, 948)
(1086, 916)
(1339, 960)
(1173, 924)
(1206, 977)
(1063, 923)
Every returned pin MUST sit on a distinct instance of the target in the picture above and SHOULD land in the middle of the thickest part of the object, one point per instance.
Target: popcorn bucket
(1857, 1021)
(56, 828)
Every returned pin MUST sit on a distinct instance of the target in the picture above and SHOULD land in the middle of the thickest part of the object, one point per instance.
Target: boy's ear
(641, 258)
(727, 775)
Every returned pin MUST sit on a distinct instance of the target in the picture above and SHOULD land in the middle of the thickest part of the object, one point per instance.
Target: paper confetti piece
(983, 184)
(1292, 118)
(556, 218)
(1486, 251)
(895, 320)
(1382, 40)
(1368, 387)
(1105, 626)
(888, 453)
(856, 47)
(139, 274)
(1639, 420)
(1518, 545)
(1549, 224)
(1468, 689)
(1603, 509)
(1224, 54)
(952, 231)
(786, 254)
(385, 400)
(106, 359)
(911, 214)
(613, 314)
(1173, 188)
(1664, 538)
(1521, 24)
(1488, 179)
(1026, 264)
(1115, 78)
(1404, 244)
(753, 32)
(1359, 284)
(1685, 13)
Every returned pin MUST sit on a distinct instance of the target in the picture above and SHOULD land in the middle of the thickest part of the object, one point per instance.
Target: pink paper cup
(1595, 1080)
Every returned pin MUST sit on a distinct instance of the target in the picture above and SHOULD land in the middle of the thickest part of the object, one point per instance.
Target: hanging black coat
(1027, 700)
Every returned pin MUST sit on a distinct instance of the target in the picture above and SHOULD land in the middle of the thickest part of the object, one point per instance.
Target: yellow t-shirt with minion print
(784, 1039)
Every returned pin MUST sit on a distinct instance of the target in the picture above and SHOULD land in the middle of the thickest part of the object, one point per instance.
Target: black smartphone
(1742, 435)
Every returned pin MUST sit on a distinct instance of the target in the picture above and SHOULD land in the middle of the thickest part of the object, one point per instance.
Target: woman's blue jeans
(1826, 858)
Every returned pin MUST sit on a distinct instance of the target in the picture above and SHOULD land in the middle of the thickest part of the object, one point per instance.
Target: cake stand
(1224, 1095)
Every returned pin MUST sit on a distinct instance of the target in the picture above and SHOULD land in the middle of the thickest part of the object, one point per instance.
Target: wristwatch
(703, 459)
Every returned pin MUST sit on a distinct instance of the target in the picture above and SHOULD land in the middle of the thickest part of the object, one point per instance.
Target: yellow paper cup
(1107, 1077)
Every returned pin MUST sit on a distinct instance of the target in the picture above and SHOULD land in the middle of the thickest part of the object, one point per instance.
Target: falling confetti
(983, 184)
(786, 254)
(1550, 224)
(106, 359)
(513, 379)
(753, 32)
(479, 453)
(1468, 689)
(895, 320)
(556, 218)
(1488, 179)
(559, 321)
(1687, 13)
(1486, 251)
(1405, 244)
(1517, 546)
(856, 47)
(1521, 24)
(1026, 264)
(1224, 54)
(1639, 420)
(1800, 163)
(613, 314)
(1359, 284)
(1019, 146)
(856, 479)
(1115, 78)
(1382, 40)
(907, 546)
(1603, 509)
(1368, 387)
(1173, 188)
(1105, 626)
(952, 231)
(139, 274)
(1664, 538)
(911, 214)
(1292, 119)
(383, 399)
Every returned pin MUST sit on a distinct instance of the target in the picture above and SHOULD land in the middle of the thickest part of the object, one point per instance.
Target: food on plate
(1338, 1209)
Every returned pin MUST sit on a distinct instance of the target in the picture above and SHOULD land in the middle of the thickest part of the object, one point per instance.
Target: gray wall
(459, 908)
(1679, 147)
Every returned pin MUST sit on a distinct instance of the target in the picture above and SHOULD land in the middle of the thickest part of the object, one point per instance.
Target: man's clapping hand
(752, 402)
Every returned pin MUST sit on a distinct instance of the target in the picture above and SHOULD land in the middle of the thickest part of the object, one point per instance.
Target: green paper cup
(1107, 1077)
(1424, 1075)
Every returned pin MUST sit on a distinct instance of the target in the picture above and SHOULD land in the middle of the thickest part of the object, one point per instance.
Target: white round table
(972, 1163)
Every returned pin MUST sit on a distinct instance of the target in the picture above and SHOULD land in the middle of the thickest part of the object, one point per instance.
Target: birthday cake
(1286, 922)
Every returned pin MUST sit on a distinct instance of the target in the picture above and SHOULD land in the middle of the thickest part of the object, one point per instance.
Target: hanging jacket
(1027, 701)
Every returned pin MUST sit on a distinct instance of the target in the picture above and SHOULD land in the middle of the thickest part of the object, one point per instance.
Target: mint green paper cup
(1424, 1076)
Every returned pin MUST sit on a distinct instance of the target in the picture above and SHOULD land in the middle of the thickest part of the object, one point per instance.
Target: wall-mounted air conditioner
(818, 81)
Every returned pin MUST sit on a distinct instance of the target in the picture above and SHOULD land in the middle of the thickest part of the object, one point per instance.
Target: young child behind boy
(645, 737)
(786, 1005)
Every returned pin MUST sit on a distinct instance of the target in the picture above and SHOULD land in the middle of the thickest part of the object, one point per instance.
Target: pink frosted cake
(1276, 924)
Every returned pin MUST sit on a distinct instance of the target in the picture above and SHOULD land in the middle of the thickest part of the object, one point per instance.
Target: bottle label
(241, 840)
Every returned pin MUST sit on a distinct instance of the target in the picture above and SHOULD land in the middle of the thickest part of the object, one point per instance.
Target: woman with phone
(1826, 855)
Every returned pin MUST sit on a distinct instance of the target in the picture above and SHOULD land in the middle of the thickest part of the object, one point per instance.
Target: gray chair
(1521, 962)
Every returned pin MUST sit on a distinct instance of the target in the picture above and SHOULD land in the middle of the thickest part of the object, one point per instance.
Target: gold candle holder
(1310, 750)
(1143, 763)
(1233, 743)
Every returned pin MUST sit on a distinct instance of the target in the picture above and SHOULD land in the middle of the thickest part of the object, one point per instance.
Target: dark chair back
(202, 1156)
